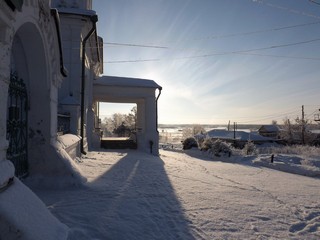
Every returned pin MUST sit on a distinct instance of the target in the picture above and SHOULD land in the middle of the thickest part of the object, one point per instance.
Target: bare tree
(119, 121)
(192, 131)
(131, 119)
(296, 132)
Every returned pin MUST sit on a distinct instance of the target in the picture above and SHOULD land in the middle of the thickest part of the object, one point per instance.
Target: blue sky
(247, 61)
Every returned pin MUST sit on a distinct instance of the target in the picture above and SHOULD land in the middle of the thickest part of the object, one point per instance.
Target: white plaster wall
(4, 82)
(71, 42)
(18, 198)
(36, 62)
(5, 52)
(74, 29)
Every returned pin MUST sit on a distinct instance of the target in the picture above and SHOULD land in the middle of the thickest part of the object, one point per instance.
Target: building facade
(31, 72)
(83, 57)
(51, 57)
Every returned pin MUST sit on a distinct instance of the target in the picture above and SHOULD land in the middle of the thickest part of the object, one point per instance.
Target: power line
(259, 31)
(134, 45)
(313, 1)
(208, 37)
(270, 117)
(282, 56)
(247, 51)
(135, 61)
(277, 116)
(217, 36)
(290, 10)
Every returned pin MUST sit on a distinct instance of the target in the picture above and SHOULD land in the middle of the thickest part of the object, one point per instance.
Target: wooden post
(303, 126)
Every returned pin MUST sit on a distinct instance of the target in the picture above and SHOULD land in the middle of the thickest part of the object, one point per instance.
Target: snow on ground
(185, 195)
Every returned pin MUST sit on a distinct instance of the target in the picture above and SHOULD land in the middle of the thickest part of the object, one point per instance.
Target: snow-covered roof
(126, 82)
(239, 135)
(76, 11)
(270, 128)
(315, 131)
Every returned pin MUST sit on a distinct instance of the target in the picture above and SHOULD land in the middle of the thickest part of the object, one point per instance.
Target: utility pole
(234, 133)
(303, 125)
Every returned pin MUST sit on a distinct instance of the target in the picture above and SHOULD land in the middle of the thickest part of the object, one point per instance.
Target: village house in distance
(50, 87)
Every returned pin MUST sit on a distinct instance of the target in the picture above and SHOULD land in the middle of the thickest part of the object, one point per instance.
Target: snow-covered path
(133, 195)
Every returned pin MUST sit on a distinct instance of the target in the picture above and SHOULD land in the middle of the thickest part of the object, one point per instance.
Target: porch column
(6, 167)
(152, 135)
(4, 84)
(141, 126)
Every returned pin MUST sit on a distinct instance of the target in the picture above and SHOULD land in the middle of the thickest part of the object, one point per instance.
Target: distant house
(239, 138)
(315, 134)
(271, 131)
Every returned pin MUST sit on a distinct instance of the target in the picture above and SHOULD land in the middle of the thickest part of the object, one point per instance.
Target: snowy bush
(189, 143)
(219, 147)
(206, 144)
(250, 148)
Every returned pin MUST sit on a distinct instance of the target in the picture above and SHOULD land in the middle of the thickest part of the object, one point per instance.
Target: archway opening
(29, 65)
(118, 125)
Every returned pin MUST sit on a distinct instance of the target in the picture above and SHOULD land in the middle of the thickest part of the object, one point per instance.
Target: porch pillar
(4, 84)
(6, 167)
(141, 126)
(152, 135)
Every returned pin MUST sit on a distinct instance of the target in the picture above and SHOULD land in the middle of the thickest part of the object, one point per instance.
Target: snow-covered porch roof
(123, 89)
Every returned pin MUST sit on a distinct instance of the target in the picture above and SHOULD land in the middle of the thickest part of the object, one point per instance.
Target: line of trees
(298, 131)
(120, 125)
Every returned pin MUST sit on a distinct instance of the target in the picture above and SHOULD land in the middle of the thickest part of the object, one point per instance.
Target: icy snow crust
(36, 222)
(185, 195)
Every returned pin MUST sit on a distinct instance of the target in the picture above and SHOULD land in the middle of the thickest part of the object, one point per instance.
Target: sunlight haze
(247, 61)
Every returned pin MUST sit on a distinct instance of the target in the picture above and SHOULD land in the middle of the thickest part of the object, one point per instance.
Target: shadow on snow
(134, 199)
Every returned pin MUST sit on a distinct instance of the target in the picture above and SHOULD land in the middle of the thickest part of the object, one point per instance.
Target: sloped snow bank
(302, 164)
(55, 170)
(71, 144)
(6, 173)
(290, 163)
(24, 216)
(67, 140)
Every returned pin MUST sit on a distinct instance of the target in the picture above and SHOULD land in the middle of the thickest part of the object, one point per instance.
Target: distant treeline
(239, 126)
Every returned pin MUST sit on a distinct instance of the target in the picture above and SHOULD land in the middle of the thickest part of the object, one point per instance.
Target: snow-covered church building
(51, 61)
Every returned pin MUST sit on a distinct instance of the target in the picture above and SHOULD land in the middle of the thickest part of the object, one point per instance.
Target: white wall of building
(29, 46)
(77, 24)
